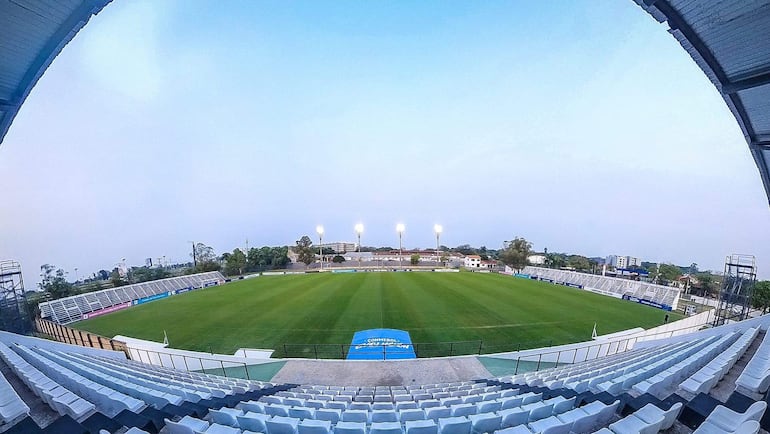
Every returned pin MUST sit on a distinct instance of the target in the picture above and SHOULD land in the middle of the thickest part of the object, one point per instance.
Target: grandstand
(711, 381)
(686, 381)
(83, 306)
(664, 297)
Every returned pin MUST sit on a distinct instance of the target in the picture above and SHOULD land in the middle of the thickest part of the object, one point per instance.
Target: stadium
(395, 349)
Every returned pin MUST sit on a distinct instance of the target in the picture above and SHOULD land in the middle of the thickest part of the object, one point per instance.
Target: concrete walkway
(378, 373)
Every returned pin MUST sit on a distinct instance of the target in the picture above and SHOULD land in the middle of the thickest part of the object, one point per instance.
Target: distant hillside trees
(257, 259)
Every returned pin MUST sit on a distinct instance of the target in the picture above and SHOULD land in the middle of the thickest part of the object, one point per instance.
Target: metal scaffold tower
(13, 305)
(737, 286)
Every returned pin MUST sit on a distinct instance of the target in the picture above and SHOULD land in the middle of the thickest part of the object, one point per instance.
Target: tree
(103, 275)
(555, 260)
(578, 262)
(669, 272)
(707, 284)
(760, 297)
(53, 282)
(338, 259)
(205, 258)
(414, 259)
(304, 250)
(116, 279)
(516, 252)
(235, 263)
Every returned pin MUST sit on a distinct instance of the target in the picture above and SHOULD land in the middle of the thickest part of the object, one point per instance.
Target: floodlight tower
(737, 287)
(437, 228)
(320, 230)
(359, 228)
(13, 304)
(400, 229)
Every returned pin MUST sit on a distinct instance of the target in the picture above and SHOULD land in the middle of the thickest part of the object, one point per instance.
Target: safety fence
(421, 350)
(72, 336)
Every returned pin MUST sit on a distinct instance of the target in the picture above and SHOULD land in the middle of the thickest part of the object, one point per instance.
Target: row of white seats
(388, 396)
(183, 390)
(150, 396)
(411, 387)
(586, 375)
(345, 404)
(647, 420)
(555, 377)
(12, 407)
(616, 383)
(107, 400)
(559, 404)
(58, 397)
(219, 386)
(229, 421)
(756, 375)
(659, 384)
(708, 376)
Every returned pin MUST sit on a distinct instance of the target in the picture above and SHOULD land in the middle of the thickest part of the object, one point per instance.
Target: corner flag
(593, 334)
(165, 336)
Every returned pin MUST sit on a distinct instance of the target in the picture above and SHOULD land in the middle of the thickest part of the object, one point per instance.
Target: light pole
(400, 229)
(437, 228)
(320, 230)
(77, 277)
(359, 228)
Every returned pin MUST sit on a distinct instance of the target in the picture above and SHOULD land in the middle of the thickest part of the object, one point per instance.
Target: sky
(581, 126)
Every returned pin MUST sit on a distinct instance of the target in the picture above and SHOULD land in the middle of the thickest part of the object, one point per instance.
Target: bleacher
(647, 389)
(70, 309)
(612, 286)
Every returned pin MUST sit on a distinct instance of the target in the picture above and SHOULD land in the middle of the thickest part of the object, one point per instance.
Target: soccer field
(496, 312)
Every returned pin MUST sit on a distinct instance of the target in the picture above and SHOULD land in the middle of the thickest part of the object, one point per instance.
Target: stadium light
(359, 228)
(320, 230)
(438, 229)
(400, 229)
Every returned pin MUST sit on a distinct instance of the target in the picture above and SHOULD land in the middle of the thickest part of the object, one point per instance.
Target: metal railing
(381, 352)
(205, 365)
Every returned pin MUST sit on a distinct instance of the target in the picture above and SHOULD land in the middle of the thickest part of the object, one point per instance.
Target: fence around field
(421, 350)
(68, 335)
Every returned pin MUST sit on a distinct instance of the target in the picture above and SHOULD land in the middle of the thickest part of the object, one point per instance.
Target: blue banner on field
(344, 271)
(381, 344)
(179, 291)
(150, 298)
(523, 276)
(646, 302)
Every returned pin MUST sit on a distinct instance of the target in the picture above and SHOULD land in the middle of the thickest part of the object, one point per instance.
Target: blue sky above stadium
(582, 126)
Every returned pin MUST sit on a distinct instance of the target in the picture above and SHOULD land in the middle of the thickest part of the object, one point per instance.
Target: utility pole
(195, 257)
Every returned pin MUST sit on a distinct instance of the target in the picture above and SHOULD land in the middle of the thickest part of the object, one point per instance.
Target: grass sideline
(266, 312)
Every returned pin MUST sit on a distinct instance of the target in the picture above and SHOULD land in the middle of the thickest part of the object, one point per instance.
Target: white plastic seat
(216, 428)
(333, 415)
(727, 419)
(350, 428)
(355, 416)
(485, 422)
(186, 425)
(454, 425)
(551, 424)
(313, 426)
(225, 416)
(253, 421)
(633, 425)
(421, 427)
(282, 425)
(411, 414)
(385, 428)
(513, 416)
(650, 412)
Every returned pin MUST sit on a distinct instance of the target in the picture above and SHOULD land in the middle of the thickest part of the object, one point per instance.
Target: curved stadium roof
(728, 39)
(32, 34)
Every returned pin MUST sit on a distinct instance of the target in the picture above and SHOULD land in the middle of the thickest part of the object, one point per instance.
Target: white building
(618, 261)
(536, 259)
(472, 261)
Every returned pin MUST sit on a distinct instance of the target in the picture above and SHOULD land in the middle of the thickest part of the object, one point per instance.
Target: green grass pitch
(501, 311)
